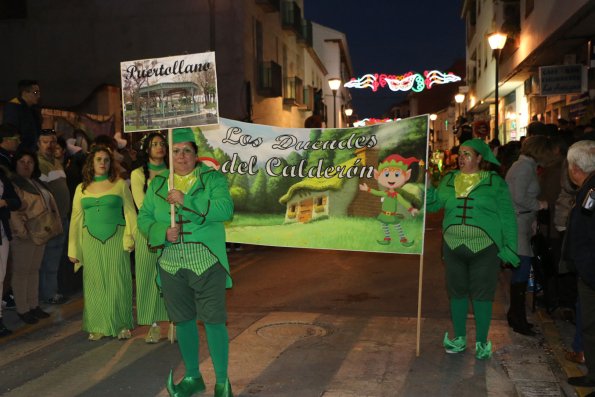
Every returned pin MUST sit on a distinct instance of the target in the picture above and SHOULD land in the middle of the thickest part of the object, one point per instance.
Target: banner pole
(419, 292)
(170, 143)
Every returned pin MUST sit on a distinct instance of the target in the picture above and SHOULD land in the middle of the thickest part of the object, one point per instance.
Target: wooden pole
(419, 291)
(170, 142)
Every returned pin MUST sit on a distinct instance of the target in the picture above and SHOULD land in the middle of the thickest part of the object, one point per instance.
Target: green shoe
(223, 389)
(406, 243)
(187, 386)
(483, 351)
(456, 345)
(386, 241)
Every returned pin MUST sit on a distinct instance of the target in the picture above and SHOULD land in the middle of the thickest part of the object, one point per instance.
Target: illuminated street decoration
(407, 82)
(372, 121)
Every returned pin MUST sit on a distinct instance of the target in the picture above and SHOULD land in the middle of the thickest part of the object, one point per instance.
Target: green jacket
(488, 207)
(206, 206)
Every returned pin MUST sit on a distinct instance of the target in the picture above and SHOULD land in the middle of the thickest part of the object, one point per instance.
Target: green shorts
(471, 275)
(188, 296)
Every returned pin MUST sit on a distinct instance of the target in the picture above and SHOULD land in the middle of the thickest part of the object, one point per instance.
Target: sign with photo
(170, 92)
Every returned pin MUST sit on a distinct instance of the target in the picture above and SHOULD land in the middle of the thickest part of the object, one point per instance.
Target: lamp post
(334, 85)
(348, 113)
(459, 98)
(497, 41)
(433, 118)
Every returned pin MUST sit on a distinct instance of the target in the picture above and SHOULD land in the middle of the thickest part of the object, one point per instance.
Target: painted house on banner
(320, 198)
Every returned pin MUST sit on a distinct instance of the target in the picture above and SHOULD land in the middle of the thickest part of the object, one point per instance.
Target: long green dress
(150, 307)
(101, 238)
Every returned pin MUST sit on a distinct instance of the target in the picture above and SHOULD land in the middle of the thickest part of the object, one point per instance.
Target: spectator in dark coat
(579, 249)
(24, 113)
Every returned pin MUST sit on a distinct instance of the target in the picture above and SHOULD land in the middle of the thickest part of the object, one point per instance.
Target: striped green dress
(150, 307)
(101, 237)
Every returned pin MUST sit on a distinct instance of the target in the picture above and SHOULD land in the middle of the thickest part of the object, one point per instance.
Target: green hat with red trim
(397, 161)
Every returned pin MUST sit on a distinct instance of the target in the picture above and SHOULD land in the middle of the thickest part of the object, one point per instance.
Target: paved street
(302, 323)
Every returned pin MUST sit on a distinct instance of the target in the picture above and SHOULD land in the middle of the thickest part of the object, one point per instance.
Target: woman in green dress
(101, 238)
(150, 308)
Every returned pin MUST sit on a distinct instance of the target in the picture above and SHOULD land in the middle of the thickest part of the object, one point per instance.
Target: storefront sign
(562, 79)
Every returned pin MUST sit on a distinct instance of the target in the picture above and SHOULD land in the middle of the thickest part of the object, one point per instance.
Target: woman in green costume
(101, 237)
(150, 308)
(480, 231)
(193, 267)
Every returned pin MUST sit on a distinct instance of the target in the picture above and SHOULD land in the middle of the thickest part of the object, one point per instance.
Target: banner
(356, 189)
(178, 91)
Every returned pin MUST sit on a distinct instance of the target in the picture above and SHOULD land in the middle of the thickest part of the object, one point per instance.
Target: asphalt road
(302, 323)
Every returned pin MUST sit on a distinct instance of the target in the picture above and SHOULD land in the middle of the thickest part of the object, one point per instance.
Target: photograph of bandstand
(169, 92)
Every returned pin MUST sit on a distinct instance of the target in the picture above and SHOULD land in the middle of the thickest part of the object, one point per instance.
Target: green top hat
(183, 135)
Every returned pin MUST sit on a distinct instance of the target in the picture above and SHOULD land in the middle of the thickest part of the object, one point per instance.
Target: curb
(556, 345)
(59, 314)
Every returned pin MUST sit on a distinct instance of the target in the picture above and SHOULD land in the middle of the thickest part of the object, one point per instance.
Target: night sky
(392, 37)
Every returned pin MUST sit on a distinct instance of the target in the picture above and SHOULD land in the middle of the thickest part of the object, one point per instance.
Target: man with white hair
(580, 241)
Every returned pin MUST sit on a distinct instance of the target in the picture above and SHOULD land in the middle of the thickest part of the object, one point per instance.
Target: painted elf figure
(393, 173)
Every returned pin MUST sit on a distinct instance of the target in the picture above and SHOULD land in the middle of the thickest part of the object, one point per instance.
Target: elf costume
(193, 271)
(393, 173)
(479, 230)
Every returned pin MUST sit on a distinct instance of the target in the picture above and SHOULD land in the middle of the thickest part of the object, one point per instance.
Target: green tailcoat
(207, 205)
(488, 207)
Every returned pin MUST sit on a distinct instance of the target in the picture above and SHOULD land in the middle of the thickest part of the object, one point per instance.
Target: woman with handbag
(37, 221)
(101, 239)
(150, 308)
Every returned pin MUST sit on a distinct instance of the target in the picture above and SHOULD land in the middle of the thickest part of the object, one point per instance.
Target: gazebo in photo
(164, 102)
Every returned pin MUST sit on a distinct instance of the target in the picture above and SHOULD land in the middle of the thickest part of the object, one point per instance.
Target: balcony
(269, 79)
(269, 5)
(291, 17)
(305, 36)
(293, 93)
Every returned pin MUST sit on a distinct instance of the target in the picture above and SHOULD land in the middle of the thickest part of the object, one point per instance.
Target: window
(529, 5)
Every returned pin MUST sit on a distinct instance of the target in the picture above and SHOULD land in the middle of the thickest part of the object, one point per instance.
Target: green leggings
(218, 340)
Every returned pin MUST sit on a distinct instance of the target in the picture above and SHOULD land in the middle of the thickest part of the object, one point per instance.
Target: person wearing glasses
(101, 238)
(24, 113)
(193, 265)
(150, 308)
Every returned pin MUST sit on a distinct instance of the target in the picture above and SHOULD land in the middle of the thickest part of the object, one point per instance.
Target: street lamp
(334, 84)
(433, 118)
(348, 113)
(497, 41)
(459, 98)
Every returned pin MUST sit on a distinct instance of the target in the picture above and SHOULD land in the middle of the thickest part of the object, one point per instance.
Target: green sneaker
(483, 351)
(456, 345)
